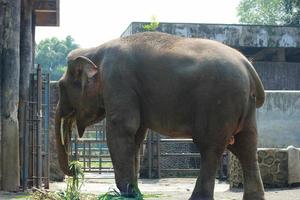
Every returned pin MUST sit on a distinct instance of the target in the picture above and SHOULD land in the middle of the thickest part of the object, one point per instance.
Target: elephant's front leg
(121, 143)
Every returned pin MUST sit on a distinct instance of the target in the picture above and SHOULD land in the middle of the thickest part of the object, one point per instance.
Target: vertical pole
(149, 144)
(10, 66)
(39, 132)
(158, 154)
(26, 63)
(84, 161)
(46, 129)
(90, 154)
(2, 14)
(25, 152)
(31, 155)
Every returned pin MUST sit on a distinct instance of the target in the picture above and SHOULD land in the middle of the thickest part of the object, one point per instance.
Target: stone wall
(278, 167)
(232, 35)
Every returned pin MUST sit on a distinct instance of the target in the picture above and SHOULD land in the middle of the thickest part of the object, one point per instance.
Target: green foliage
(271, 12)
(115, 195)
(74, 183)
(152, 26)
(51, 53)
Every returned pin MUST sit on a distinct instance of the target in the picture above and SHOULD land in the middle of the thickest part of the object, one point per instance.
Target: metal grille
(35, 144)
(92, 150)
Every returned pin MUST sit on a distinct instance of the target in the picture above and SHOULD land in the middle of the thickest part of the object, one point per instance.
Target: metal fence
(160, 157)
(92, 150)
(35, 138)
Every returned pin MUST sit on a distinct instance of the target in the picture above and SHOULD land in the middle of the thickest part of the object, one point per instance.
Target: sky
(93, 22)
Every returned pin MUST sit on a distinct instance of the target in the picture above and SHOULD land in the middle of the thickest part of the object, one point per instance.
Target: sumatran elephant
(179, 87)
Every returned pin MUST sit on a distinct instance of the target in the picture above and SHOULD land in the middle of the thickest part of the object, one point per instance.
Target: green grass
(115, 195)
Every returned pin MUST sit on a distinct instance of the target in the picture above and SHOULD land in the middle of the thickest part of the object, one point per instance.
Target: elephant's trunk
(63, 138)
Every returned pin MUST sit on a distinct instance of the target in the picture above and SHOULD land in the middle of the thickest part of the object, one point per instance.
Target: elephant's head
(80, 103)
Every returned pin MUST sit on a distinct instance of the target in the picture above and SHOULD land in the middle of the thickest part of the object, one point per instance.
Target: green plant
(74, 183)
(113, 194)
(152, 26)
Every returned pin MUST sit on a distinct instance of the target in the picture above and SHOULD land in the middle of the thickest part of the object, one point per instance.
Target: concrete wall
(278, 119)
(233, 35)
(279, 75)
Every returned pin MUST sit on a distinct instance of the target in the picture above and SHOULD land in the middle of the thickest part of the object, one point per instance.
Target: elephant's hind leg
(210, 159)
(245, 148)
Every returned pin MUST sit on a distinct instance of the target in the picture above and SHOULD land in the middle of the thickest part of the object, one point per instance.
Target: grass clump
(74, 183)
(113, 194)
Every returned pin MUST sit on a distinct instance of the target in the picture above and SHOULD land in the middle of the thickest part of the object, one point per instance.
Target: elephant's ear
(85, 67)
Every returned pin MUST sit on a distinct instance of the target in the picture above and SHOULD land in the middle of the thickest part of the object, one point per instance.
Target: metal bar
(176, 140)
(84, 161)
(39, 125)
(149, 144)
(46, 129)
(32, 132)
(25, 153)
(181, 154)
(158, 155)
(184, 170)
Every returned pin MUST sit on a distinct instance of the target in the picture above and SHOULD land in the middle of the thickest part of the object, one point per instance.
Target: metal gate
(35, 139)
(92, 150)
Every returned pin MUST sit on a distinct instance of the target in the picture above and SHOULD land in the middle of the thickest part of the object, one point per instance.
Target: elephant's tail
(259, 88)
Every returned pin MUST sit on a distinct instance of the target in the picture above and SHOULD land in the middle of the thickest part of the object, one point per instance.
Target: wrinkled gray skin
(191, 88)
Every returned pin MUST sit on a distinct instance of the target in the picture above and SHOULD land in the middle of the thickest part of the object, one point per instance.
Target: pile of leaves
(74, 184)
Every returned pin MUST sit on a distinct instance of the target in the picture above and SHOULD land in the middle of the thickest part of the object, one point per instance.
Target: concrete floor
(166, 189)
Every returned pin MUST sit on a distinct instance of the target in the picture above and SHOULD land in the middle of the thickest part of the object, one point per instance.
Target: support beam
(2, 11)
(10, 66)
(26, 65)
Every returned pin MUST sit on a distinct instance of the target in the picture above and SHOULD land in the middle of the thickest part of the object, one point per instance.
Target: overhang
(47, 12)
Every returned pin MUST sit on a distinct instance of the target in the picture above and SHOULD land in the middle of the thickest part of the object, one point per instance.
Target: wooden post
(26, 64)
(10, 66)
(2, 11)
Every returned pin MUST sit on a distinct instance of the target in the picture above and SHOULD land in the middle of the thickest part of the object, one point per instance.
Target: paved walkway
(168, 189)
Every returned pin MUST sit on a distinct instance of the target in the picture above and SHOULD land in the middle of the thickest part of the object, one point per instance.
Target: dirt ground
(168, 189)
(180, 189)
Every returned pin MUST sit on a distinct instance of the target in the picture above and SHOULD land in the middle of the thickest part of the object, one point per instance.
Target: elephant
(180, 87)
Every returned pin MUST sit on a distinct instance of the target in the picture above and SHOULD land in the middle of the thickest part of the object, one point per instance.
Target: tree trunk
(10, 96)
(26, 64)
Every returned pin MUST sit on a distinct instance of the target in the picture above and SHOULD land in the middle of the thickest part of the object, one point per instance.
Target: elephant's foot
(131, 191)
(256, 196)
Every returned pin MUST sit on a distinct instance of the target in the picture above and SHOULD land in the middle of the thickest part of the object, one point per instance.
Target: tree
(272, 12)
(51, 53)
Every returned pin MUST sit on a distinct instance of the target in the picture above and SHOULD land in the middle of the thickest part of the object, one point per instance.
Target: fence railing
(93, 152)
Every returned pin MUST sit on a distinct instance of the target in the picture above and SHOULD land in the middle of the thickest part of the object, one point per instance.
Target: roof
(47, 12)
